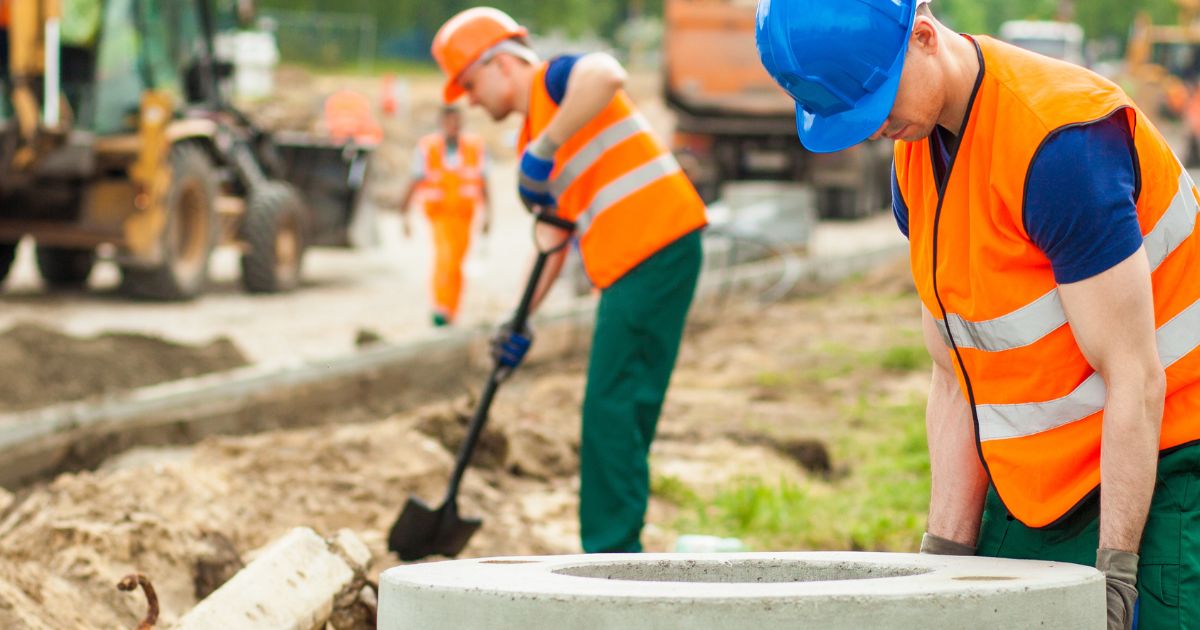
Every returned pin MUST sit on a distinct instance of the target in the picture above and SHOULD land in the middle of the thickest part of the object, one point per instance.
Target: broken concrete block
(352, 548)
(291, 585)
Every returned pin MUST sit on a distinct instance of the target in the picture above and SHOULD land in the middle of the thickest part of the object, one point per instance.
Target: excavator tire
(275, 233)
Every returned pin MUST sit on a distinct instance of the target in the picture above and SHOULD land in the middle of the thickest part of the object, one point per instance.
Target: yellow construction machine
(116, 136)
(1163, 71)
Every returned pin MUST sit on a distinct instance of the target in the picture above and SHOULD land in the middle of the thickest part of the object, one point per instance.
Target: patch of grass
(837, 360)
(906, 358)
(673, 490)
(772, 380)
(879, 505)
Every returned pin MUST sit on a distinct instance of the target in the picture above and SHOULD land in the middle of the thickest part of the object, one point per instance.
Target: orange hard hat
(465, 37)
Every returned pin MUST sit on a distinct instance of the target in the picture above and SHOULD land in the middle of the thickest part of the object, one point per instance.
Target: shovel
(421, 531)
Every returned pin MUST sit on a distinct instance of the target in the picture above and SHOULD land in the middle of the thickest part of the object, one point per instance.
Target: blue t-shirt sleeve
(1080, 199)
(899, 208)
(557, 73)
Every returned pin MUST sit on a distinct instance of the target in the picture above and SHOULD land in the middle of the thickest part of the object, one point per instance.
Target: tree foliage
(419, 19)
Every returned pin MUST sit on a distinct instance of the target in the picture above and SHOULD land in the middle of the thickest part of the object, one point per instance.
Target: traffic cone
(389, 102)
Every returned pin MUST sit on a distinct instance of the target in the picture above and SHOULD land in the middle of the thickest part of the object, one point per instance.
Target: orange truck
(733, 123)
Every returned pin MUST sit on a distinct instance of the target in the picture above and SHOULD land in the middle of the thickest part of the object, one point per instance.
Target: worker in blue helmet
(1055, 249)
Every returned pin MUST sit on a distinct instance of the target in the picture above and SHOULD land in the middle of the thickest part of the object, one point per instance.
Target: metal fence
(325, 38)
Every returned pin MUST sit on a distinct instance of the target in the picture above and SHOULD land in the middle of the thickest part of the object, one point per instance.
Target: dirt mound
(188, 517)
(811, 454)
(448, 425)
(43, 366)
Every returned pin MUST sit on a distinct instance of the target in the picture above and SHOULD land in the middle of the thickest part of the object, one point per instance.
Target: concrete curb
(747, 591)
(376, 381)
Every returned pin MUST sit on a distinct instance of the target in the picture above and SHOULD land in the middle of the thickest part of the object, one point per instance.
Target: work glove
(534, 178)
(938, 546)
(509, 346)
(1120, 578)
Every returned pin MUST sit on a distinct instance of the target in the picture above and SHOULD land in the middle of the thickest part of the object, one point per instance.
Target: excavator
(117, 139)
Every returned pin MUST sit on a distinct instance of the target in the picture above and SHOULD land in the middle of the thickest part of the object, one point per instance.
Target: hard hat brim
(826, 134)
(452, 91)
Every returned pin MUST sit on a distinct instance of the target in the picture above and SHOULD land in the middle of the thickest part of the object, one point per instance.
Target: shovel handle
(499, 372)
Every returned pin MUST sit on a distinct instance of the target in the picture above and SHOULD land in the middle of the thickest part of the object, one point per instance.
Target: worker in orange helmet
(593, 171)
(450, 172)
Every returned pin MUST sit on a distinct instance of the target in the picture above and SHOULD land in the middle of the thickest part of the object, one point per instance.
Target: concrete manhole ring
(753, 591)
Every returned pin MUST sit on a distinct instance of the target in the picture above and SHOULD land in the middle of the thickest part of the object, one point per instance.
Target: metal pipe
(52, 82)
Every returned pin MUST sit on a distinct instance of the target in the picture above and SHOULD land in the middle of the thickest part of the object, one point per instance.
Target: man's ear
(925, 37)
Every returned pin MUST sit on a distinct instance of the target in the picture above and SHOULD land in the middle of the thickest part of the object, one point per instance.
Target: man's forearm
(1129, 455)
(959, 482)
(406, 199)
(553, 268)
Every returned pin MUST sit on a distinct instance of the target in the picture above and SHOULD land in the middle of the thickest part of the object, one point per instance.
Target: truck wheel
(8, 253)
(65, 268)
(275, 235)
(188, 239)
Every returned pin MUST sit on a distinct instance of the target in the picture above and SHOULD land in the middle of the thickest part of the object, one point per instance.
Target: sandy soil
(43, 366)
(188, 517)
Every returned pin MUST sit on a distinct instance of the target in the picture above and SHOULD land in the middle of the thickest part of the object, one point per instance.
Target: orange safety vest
(348, 117)
(1038, 404)
(446, 188)
(618, 183)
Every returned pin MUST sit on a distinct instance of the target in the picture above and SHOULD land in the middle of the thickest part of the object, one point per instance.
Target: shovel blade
(421, 531)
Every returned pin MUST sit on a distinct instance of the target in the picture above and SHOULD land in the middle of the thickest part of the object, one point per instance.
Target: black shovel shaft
(493, 383)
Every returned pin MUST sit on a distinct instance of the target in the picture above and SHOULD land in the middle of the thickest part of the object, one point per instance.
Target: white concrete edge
(535, 576)
(231, 387)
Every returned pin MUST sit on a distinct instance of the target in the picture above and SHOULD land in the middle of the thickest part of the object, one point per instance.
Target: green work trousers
(639, 324)
(1169, 569)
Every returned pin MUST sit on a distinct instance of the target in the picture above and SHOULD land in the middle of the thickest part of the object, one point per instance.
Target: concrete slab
(292, 585)
(751, 591)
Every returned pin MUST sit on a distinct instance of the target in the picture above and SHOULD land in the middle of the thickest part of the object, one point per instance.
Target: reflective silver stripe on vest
(626, 185)
(1014, 330)
(591, 153)
(532, 185)
(1176, 339)
(1175, 225)
(1044, 315)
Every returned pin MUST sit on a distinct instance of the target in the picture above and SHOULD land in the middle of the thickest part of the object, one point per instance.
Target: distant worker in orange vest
(450, 174)
(593, 171)
(1054, 245)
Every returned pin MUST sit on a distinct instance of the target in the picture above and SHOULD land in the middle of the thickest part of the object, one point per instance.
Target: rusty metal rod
(129, 583)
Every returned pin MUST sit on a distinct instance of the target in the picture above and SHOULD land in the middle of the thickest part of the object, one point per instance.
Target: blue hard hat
(840, 60)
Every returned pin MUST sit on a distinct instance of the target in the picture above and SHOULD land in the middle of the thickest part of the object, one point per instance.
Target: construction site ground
(793, 425)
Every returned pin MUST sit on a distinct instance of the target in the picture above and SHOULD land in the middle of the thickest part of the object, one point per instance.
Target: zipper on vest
(941, 193)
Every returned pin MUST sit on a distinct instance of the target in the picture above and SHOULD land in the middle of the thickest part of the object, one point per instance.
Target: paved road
(382, 289)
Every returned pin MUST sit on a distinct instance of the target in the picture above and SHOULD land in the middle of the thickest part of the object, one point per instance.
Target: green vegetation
(905, 358)
(836, 360)
(879, 504)
(414, 18)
